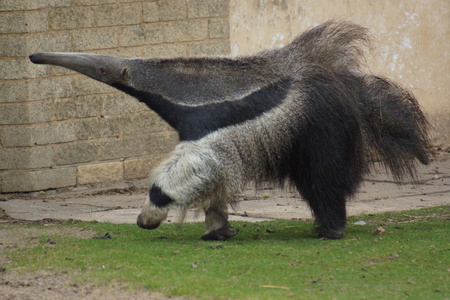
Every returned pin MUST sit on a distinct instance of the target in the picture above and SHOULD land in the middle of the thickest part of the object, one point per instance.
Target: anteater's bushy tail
(396, 129)
(336, 45)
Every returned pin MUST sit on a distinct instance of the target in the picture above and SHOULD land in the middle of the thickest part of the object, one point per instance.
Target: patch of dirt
(49, 286)
(62, 286)
(13, 238)
(25, 236)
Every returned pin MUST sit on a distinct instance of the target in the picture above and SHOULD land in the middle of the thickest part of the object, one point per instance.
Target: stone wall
(61, 129)
(411, 41)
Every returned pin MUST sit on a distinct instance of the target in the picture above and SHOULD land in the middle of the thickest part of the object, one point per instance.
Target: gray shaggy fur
(303, 115)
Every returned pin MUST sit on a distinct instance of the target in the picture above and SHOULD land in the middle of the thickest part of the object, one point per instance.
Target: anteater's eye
(101, 70)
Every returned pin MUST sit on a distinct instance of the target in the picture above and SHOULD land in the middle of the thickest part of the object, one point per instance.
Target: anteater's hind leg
(329, 172)
(326, 183)
(217, 226)
(329, 210)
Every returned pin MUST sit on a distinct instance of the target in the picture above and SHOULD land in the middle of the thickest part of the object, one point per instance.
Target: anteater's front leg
(217, 226)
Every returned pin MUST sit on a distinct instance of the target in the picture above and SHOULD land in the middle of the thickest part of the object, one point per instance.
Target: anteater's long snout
(71, 60)
(104, 68)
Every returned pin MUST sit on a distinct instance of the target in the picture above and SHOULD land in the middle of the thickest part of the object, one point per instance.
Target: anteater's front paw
(221, 234)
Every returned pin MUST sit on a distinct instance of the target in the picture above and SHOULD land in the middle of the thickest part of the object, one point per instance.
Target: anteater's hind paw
(221, 234)
(330, 234)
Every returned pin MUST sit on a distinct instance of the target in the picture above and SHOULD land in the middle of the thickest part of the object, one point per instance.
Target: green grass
(267, 260)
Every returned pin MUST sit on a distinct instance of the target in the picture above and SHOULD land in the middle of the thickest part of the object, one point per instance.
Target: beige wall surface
(59, 129)
(411, 40)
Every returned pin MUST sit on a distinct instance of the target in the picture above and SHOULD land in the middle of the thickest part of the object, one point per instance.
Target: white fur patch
(189, 173)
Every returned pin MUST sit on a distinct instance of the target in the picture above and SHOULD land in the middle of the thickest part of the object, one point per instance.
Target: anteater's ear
(125, 74)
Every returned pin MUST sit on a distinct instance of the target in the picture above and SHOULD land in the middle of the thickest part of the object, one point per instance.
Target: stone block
(97, 173)
(16, 136)
(75, 153)
(54, 134)
(207, 8)
(77, 107)
(93, 39)
(182, 31)
(128, 52)
(83, 85)
(14, 91)
(14, 69)
(20, 69)
(166, 51)
(39, 112)
(72, 17)
(37, 135)
(169, 10)
(12, 114)
(158, 144)
(11, 5)
(210, 48)
(140, 168)
(59, 71)
(143, 122)
(110, 15)
(96, 128)
(140, 35)
(119, 103)
(13, 46)
(150, 12)
(219, 28)
(60, 87)
(27, 181)
(91, 2)
(23, 22)
(121, 148)
(28, 158)
(14, 5)
(47, 3)
(60, 42)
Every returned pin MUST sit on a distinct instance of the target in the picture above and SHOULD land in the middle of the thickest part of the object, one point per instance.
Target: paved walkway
(122, 205)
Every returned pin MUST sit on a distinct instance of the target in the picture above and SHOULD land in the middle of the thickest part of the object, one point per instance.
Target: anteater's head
(151, 215)
(114, 71)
